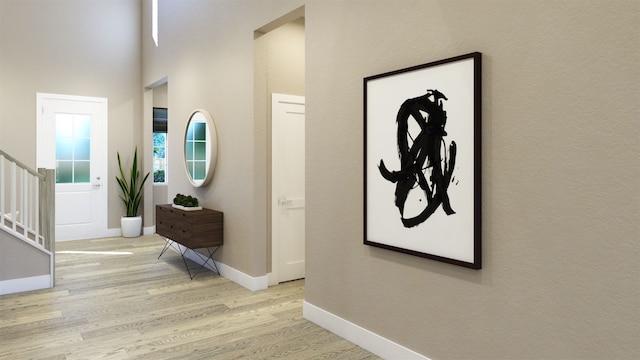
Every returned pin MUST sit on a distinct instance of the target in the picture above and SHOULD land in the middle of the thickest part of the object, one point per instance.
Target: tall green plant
(131, 187)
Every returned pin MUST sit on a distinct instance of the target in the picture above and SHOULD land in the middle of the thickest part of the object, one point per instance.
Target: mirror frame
(211, 150)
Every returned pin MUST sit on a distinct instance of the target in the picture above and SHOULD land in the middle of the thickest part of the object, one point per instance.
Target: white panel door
(288, 187)
(72, 140)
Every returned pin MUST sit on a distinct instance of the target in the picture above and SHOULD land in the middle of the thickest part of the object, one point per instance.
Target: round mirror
(200, 148)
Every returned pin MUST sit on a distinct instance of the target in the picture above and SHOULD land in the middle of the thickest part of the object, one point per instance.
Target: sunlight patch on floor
(96, 252)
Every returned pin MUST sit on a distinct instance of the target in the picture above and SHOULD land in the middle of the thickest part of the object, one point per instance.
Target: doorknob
(284, 201)
(292, 203)
(97, 183)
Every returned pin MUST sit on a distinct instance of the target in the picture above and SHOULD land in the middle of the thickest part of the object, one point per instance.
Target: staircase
(27, 226)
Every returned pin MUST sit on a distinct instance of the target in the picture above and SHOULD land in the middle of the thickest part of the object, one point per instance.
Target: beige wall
(560, 147)
(72, 47)
(206, 51)
(12, 255)
(559, 210)
(560, 178)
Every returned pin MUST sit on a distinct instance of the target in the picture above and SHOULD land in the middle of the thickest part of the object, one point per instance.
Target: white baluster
(24, 213)
(1, 190)
(13, 182)
(36, 210)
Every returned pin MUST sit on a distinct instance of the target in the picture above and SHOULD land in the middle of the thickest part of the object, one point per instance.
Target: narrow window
(154, 21)
(160, 120)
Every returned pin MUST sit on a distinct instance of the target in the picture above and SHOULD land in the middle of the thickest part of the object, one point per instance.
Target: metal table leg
(182, 250)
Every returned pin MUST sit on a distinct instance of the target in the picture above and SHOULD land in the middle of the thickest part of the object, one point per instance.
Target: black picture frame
(422, 160)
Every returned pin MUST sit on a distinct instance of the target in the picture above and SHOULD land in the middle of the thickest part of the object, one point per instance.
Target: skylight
(154, 21)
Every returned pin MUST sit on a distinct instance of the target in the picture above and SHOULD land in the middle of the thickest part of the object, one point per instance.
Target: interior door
(288, 189)
(72, 140)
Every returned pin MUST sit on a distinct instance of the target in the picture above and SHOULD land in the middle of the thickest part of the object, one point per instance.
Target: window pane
(189, 150)
(159, 139)
(158, 152)
(158, 164)
(64, 149)
(64, 172)
(82, 126)
(190, 168)
(158, 176)
(64, 125)
(199, 170)
(82, 149)
(82, 173)
(200, 131)
(200, 151)
(190, 131)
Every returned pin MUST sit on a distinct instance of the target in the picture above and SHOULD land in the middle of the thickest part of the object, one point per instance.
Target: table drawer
(193, 229)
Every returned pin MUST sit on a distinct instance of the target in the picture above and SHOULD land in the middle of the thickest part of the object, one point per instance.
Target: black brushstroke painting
(424, 166)
(424, 198)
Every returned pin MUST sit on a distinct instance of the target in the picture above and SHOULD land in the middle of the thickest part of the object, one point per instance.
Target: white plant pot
(131, 226)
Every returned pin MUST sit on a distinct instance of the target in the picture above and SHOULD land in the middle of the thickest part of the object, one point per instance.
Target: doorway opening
(279, 50)
(156, 146)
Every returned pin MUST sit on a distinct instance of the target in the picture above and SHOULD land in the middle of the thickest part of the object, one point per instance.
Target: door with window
(71, 138)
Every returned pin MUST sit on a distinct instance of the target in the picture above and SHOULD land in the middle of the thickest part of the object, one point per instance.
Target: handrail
(27, 202)
(27, 205)
(21, 164)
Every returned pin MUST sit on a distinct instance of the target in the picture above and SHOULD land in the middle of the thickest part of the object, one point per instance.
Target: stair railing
(27, 202)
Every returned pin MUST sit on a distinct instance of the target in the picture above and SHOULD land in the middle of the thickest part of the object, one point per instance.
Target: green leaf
(130, 186)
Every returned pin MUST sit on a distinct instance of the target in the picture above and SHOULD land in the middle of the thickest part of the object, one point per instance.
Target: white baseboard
(114, 232)
(237, 276)
(272, 280)
(25, 284)
(149, 230)
(117, 232)
(250, 282)
(360, 336)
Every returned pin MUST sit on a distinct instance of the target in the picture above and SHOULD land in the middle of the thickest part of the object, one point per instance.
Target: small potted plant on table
(186, 203)
(131, 187)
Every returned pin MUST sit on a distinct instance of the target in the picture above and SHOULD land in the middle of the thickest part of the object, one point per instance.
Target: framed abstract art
(422, 160)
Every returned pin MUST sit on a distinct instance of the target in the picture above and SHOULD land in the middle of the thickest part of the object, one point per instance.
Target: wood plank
(138, 307)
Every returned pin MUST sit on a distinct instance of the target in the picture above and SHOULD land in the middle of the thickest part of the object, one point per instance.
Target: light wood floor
(130, 305)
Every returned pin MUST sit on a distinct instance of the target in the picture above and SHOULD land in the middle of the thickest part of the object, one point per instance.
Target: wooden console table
(199, 229)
